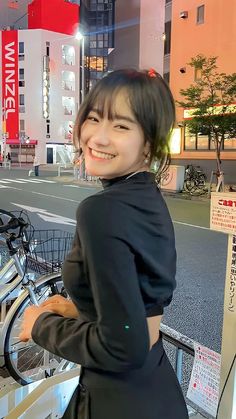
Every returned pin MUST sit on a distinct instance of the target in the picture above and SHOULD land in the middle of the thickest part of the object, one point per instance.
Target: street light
(80, 37)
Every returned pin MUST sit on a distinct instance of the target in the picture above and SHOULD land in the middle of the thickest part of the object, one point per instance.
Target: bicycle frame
(29, 291)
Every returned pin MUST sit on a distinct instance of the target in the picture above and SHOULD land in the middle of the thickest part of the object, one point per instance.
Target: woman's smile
(100, 155)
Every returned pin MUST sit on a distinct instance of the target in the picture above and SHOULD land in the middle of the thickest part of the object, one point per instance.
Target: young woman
(120, 273)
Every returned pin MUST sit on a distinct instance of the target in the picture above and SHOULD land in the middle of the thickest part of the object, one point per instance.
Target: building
(166, 37)
(139, 35)
(200, 27)
(40, 86)
(46, 47)
(97, 24)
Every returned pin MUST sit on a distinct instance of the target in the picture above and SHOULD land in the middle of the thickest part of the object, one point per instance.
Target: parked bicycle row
(30, 273)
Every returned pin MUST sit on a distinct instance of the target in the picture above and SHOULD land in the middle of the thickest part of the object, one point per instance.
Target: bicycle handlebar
(13, 222)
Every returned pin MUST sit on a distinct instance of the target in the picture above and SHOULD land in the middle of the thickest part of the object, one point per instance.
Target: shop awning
(17, 142)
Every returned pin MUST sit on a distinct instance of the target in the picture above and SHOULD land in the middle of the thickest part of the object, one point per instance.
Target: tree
(212, 101)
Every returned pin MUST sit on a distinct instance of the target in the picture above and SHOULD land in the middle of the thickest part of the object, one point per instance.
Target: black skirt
(151, 392)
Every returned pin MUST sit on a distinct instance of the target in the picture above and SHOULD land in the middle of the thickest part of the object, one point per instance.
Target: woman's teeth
(101, 155)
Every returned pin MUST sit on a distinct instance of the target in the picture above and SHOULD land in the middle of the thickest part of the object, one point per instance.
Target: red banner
(10, 83)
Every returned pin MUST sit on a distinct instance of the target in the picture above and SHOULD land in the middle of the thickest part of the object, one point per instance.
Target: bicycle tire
(28, 362)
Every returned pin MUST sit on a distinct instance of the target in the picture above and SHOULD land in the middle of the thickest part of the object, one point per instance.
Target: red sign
(10, 84)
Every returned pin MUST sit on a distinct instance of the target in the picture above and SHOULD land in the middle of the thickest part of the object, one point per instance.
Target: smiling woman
(120, 273)
(130, 101)
(113, 146)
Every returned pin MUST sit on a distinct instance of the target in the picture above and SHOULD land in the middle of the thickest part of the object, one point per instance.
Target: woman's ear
(147, 149)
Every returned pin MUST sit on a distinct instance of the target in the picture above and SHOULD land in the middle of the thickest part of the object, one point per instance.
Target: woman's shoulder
(100, 205)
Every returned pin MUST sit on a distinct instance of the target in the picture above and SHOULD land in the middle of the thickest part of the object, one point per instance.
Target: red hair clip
(152, 73)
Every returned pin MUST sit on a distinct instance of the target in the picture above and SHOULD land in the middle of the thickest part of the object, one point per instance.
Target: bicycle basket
(48, 249)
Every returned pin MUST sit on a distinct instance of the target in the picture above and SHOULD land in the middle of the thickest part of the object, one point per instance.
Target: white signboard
(205, 378)
(223, 212)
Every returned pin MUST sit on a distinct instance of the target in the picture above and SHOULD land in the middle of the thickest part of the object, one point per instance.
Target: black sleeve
(119, 339)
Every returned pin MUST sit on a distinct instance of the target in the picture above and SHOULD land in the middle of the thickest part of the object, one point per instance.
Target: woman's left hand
(29, 318)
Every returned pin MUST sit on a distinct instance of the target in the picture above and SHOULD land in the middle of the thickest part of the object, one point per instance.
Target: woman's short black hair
(150, 100)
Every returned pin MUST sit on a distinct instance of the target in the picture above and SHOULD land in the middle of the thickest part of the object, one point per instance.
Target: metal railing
(28, 400)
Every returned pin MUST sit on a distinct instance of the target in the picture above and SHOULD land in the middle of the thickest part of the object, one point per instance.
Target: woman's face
(115, 147)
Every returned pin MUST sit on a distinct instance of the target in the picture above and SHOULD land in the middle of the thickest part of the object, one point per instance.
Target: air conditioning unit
(183, 15)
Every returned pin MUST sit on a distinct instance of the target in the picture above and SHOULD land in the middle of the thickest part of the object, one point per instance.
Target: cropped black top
(121, 270)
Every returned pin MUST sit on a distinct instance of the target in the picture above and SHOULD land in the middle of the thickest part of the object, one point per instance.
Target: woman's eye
(122, 127)
(92, 118)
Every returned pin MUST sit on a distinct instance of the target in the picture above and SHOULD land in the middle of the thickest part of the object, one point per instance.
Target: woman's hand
(29, 318)
(60, 305)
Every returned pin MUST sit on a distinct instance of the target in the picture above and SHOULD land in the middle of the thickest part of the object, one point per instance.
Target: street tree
(211, 100)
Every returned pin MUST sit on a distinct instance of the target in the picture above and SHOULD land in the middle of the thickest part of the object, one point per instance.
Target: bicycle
(30, 276)
(195, 180)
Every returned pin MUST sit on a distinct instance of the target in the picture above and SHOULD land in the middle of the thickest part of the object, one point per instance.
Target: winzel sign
(10, 83)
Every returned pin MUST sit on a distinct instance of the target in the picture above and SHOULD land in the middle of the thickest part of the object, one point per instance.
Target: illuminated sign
(10, 83)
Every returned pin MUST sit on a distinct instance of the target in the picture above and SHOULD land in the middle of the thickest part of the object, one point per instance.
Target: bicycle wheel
(28, 362)
(189, 184)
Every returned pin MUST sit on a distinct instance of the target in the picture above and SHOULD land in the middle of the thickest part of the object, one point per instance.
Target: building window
(229, 144)
(203, 142)
(200, 14)
(22, 100)
(21, 74)
(48, 129)
(68, 55)
(21, 48)
(190, 140)
(167, 38)
(197, 74)
(22, 125)
(68, 80)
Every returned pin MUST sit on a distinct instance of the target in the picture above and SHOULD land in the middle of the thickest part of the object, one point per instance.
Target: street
(197, 306)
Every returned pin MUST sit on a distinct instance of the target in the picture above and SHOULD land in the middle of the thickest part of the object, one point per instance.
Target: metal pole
(179, 364)
(20, 154)
(82, 70)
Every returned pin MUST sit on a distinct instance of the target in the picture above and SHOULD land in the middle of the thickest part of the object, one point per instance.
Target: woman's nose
(101, 134)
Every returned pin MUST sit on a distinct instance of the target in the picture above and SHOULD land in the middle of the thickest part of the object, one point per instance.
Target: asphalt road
(197, 306)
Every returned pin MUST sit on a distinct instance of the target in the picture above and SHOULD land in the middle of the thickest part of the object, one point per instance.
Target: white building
(40, 83)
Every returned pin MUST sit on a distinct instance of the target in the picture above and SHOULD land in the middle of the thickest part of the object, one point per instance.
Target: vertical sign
(223, 218)
(10, 82)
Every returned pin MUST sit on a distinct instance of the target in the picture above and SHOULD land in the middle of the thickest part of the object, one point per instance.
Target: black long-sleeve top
(121, 270)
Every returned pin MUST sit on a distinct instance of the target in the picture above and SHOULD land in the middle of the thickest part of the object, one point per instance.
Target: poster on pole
(223, 212)
(203, 387)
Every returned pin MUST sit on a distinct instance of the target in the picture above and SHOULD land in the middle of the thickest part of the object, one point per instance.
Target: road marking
(81, 187)
(3, 186)
(29, 180)
(14, 180)
(191, 225)
(3, 181)
(47, 216)
(53, 196)
(38, 180)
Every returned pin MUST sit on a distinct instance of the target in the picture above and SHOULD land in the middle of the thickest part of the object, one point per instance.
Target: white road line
(29, 180)
(2, 186)
(191, 225)
(81, 187)
(53, 196)
(4, 181)
(37, 180)
(43, 194)
(14, 180)
(46, 181)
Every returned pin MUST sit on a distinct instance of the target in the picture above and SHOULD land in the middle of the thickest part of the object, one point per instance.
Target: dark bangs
(150, 101)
